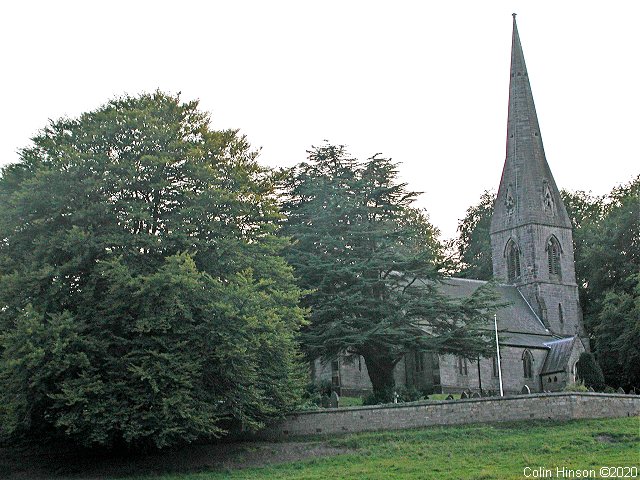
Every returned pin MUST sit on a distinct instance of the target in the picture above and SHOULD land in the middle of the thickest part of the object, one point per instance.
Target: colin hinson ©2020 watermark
(565, 472)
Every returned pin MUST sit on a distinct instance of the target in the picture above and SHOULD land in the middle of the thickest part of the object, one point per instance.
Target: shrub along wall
(552, 406)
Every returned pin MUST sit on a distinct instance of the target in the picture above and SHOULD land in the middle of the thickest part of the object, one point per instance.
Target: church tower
(531, 240)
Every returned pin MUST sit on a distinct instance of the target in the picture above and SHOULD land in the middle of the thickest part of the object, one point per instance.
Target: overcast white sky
(425, 83)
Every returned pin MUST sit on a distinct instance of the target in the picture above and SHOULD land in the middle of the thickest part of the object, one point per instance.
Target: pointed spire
(528, 192)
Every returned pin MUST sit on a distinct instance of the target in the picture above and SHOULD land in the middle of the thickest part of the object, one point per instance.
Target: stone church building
(540, 332)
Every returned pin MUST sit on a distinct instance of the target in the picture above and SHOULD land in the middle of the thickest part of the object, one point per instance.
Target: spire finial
(514, 15)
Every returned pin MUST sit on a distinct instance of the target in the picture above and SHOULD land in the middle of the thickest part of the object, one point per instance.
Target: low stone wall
(552, 406)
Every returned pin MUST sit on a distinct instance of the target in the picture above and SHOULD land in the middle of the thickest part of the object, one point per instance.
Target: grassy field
(498, 451)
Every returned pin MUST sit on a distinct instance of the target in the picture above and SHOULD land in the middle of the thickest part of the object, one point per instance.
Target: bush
(408, 394)
(590, 372)
(314, 392)
(371, 399)
(576, 387)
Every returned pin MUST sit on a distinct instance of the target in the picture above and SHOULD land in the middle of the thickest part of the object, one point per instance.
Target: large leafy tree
(607, 242)
(473, 244)
(371, 264)
(143, 298)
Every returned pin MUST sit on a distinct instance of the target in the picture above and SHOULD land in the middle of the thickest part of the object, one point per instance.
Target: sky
(422, 82)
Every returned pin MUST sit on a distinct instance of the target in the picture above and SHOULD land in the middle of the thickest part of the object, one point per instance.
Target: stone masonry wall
(555, 406)
(535, 282)
(512, 372)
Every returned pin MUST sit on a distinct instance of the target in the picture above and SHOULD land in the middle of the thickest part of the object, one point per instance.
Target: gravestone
(325, 401)
(335, 400)
(449, 397)
(621, 390)
(464, 395)
(525, 390)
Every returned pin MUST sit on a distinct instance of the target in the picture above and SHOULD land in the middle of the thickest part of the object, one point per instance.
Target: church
(540, 331)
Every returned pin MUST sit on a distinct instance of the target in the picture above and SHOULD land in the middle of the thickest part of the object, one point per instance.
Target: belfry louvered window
(553, 256)
(513, 261)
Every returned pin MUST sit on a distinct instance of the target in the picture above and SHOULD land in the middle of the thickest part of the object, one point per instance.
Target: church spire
(531, 238)
(527, 193)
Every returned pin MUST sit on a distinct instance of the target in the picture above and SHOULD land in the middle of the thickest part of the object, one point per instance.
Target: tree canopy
(370, 262)
(473, 244)
(143, 296)
(607, 245)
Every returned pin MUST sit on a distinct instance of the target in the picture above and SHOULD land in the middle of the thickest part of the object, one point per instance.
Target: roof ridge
(532, 310)
(563, 339)
(466, 279)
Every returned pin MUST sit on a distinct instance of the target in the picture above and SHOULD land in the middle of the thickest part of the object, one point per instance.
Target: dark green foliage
(408, 394)
(144, 299)
(617, 335)
(590, 372)
(607, 249)
(315, 391)
(473, 244)
(372, 399)
(371, 262)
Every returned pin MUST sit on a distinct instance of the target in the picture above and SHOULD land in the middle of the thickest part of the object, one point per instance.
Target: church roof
(517, 317)
(527, 192)
(558, 356)
(526, 340)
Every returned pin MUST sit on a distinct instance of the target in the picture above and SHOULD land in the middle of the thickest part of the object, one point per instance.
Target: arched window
(513, 261)
(553, 256)
(574, 371)
(419, 362)
(527, 364)
(335, 373)
(462, 366)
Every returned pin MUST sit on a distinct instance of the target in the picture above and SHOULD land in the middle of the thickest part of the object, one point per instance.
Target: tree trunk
(380, 370)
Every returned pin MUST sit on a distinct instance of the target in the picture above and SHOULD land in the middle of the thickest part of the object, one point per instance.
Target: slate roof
(526, 340)
(558, 356)
(518, 324)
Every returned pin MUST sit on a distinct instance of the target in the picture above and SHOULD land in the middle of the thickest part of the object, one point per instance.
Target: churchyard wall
(551, 406)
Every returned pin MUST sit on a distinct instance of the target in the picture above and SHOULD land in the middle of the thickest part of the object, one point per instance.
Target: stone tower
(531, 239)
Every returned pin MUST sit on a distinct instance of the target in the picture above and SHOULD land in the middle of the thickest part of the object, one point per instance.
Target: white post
(495, 323)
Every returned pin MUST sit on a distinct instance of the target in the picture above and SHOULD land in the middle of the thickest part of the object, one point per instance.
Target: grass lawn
(350, 401)
(497, 451)
(357, 401)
